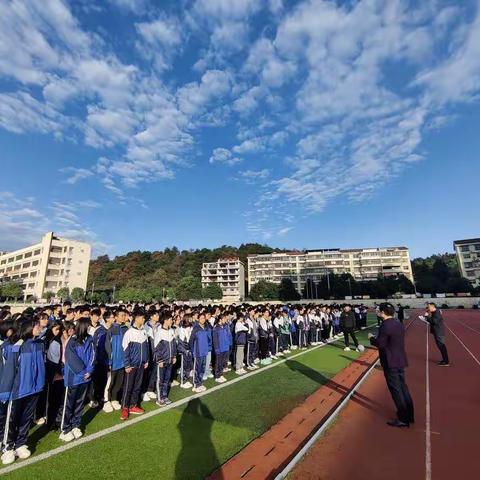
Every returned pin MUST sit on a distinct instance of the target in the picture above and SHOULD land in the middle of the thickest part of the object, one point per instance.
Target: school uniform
(221, 346)
(79, 361)
(23, 378)
(100, 372)
(183, 348)
(263, 338)
(150, 374)
(55, 383)
(114, 350)
(241, 331)
(285, 333)
(7, 375)
(135, 348)
(252, 340)
(200, 347)
(165, 352)
(300, 321)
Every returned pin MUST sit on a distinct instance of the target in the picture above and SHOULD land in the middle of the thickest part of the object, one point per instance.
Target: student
(165, 355)
(285, 332)
(135, 348)
(221, 345)
(263, 338)
(25, 372)
(200, 346)
(183, 347)
(152, 326)
(54, 375)
(252, 339)
(113, 347)
(99, 331)
(241, 331)
(79, 365)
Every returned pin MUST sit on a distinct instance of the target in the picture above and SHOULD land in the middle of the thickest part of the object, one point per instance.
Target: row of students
(53, 361)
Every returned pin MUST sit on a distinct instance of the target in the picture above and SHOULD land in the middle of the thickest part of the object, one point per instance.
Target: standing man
(347, 321)
(390, 342)
(437, 329)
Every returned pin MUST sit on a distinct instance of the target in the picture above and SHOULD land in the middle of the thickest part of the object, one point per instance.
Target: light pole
(350, 287)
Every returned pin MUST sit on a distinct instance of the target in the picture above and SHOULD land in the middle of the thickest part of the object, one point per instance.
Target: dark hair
(49, 336)
(387, 308)
(4, 328)
(96, 311)
(68, 325)
(81, 329)
(432, 303)
(25, 328)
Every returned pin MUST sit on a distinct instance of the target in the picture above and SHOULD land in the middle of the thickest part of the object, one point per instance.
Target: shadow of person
(197, 457)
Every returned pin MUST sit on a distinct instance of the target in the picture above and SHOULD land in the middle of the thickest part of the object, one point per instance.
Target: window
(33, 274)
(18, 257)
(35, 263)
(3, 262)
(36, 252)
(28, 254)
(26, 265)
(17, 267)
(24, 275)
(465, 248)
(10, 260)
(477, 246)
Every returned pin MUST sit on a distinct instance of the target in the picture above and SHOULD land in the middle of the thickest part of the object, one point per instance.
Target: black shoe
(397, 423)
(443, 364)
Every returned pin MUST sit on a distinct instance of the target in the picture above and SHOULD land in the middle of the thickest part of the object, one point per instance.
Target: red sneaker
(136, 410)
(124, 415)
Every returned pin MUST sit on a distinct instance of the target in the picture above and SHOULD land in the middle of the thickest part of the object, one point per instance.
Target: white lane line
(464, 346)
(146, 416)
(428, 444)
(465, 325)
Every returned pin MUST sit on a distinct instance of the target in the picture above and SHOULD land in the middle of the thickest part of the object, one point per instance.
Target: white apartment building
(361, 263)
(47, 266)
(229, 273)
(468, 256)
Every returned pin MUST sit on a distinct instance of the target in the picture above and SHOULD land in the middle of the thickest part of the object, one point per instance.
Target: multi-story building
(47, 266)
(468, 255)
(229, 273)
(362, 264)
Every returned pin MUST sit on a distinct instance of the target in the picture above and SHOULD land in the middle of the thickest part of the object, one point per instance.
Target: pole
(113, 294)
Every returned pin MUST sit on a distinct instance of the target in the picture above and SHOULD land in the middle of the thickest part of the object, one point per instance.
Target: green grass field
(191, 440)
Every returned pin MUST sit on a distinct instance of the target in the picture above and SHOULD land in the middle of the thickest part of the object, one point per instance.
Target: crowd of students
(55, 359)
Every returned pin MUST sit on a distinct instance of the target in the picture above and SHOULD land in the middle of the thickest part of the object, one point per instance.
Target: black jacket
(390, 342)
(347, 319)
(437, 326)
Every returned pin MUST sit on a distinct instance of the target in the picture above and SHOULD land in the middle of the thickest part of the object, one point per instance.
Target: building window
(28, 254)
(10, 260)
(3, 262)
(26, 265)
(465, 248)
(18, 257)
(36, 252)
(35, 263)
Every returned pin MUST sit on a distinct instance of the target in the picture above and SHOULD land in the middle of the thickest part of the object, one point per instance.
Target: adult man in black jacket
(437, 329)
(347, 322)
(390, 342)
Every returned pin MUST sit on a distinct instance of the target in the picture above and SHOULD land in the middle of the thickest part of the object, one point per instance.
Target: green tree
(287, 291)
(63, 293)
(11, 290)
(264, 290)
(48, 295)
(78, 294)
(188, 288)
(212, 291)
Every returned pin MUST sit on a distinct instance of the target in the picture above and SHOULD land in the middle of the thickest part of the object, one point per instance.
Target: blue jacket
(136, 347)
(28, 368)
(165, 345)
(99, 339)
(221, 339)
(113, 346)
(200, 341)
(9, 353)
(79, 360)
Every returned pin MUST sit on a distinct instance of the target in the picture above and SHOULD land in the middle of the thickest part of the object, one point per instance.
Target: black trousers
(73, 406)
(346, 333)
(395, 378)
(114, 384)
(23, 411)
(221, 360)
(99, 382)
(132, 387)
(56, 397)
(440, 341)
(263, 347)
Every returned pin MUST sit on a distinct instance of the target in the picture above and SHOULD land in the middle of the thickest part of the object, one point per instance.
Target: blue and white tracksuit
(79, 362)
(114, 350)
(22, 380)
(183, 348)
(136, 353)
(150, 375)
(200, 346)
(221, 343)
(165, 352)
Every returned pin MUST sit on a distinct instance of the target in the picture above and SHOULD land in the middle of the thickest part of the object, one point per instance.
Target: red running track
(445, 439)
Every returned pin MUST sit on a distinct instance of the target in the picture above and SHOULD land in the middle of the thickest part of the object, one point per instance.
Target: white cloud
(223, 155)
(252, 145)
(76, 174)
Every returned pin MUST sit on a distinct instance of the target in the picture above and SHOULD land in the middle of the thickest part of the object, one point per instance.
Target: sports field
(192, 437)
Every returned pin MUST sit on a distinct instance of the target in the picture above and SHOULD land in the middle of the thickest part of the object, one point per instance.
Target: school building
(47, 266)
(229, 273)
(468, 256)
(361, 263)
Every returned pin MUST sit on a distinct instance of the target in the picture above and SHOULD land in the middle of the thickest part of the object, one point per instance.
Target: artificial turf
(192, 440)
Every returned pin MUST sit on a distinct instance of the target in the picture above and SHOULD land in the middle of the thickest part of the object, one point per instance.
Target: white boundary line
(465, 325)
(464, 346)
(428, 444)
(121, 426)
(324, 426)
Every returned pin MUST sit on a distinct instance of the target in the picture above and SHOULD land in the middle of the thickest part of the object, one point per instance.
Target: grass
(192, 440)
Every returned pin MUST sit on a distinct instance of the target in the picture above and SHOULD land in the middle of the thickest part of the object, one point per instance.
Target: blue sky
(140, 124)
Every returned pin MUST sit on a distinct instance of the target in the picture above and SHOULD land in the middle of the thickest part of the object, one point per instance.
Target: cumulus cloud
(223, 155)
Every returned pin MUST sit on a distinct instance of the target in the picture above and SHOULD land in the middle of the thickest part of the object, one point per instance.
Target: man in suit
(437, 329)
(390, 342)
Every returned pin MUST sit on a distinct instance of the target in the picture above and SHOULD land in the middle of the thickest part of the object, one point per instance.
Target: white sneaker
(274, 357)
(219, 380)
(40, 421)
(107, 407)
(257, 360)
(210, 375)
(240, 372)
(67, 437)
(146, 397)
(225, 370)
(175, 383)
(196, 390)
(116, 405)
(186, 385)
(346, 349)
(8, 457)
(202, 388)
(152, 395)
(22, 452)
(77, 433)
